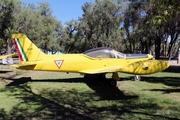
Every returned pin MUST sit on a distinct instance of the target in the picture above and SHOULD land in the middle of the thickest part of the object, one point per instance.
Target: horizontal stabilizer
(9, 55)
(25, 64)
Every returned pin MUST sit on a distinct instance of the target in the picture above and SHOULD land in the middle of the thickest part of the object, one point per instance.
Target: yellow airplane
(98, 61)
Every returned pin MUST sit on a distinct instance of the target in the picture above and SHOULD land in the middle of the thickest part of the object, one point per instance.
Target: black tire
(137, 78)
(112, 83)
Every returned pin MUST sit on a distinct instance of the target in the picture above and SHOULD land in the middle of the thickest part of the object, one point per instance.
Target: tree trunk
(157, 47)
(8, 47)
(171, 44)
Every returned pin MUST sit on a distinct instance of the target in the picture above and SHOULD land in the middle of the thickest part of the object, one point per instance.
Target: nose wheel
(137, 78)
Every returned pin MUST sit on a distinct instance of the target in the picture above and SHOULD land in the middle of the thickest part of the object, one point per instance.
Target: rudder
(26, 49)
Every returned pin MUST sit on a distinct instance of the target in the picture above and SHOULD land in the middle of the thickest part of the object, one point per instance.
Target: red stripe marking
(20, 56)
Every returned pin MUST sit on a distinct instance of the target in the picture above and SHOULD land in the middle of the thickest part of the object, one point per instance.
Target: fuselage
(77, 63)
(94, 61)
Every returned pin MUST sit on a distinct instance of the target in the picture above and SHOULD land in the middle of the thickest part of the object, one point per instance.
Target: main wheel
(112, 83)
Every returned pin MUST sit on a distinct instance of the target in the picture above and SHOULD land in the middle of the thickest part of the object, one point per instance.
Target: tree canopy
(131, 26)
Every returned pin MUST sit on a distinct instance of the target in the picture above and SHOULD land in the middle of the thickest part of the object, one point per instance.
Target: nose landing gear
(137, 78)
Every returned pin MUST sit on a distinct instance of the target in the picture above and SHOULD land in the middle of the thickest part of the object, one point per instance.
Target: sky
(63, 10)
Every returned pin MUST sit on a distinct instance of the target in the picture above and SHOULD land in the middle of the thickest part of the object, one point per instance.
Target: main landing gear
(112, 83)
(101, 79)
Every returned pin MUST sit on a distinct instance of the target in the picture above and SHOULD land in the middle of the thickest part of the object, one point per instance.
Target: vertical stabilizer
(26, 49)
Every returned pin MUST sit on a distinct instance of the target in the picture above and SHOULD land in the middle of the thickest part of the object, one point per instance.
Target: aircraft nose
(165, 64)
(145, 67)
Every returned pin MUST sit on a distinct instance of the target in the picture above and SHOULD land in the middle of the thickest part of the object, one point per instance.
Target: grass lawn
(52, 95)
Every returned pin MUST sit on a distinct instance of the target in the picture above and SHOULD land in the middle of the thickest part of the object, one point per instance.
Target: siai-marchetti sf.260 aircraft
(98, 61)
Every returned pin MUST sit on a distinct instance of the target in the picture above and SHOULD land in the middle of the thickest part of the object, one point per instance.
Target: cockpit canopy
(104, 52)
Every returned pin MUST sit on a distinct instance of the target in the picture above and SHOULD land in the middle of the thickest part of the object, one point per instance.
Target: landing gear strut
(113, 82)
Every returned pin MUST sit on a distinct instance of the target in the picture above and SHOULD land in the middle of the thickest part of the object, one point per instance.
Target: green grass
(51, 95)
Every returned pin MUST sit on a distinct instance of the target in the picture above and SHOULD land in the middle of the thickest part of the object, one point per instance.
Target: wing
(137, 68)
(6, 56)
(102, 70)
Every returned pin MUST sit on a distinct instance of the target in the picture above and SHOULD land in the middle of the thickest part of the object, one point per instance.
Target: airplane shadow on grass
(173, 69)
(73, 105)
(100, 87)
(47, 108)
(173, 82)
(4, 71)
(170, 81)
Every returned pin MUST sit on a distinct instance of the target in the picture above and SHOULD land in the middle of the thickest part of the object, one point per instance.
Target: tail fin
(26, 49)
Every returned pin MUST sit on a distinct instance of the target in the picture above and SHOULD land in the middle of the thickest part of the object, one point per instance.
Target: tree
(70, 33)
(138, 35)
(8, 10)
(145, 26)
(36, 22)
(47, 32)
(167, 10)
(100, 24)
(168, 18)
